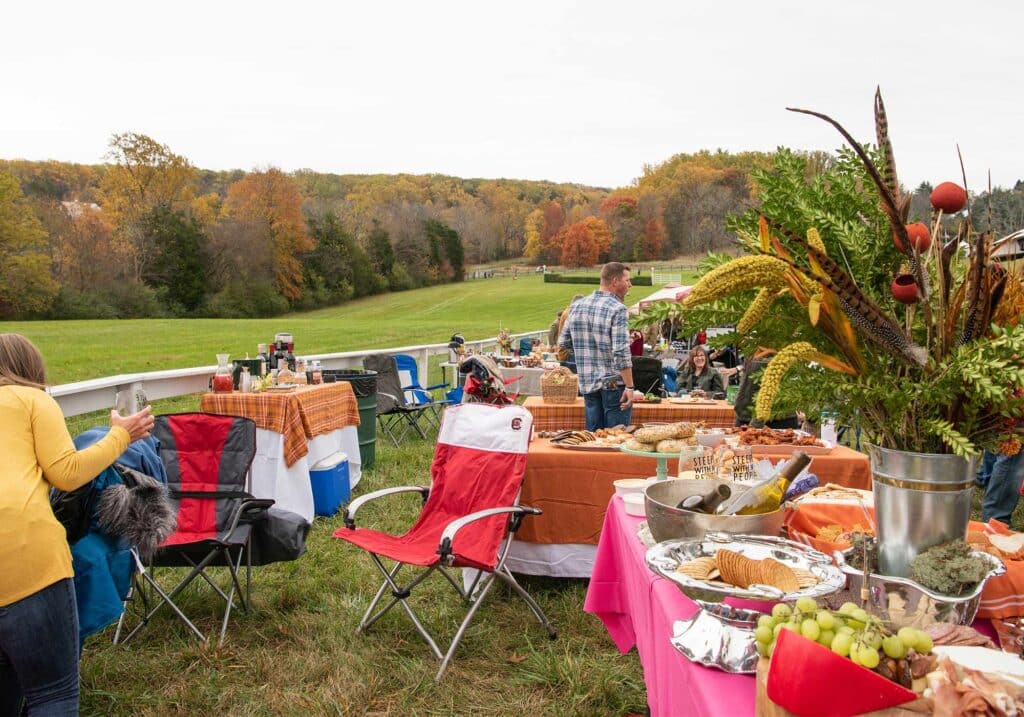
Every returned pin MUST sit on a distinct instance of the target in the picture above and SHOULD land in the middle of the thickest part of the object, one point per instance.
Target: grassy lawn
(298, 654)
(79, 350)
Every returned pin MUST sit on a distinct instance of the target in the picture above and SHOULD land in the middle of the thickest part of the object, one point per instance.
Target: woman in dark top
(699, 373)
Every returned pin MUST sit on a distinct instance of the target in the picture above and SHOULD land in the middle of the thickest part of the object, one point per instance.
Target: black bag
(73, 509)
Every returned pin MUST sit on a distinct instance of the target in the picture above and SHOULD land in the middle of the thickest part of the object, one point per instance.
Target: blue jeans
(1003, 488)
(601, 408)
(988, 460)
(39, 653)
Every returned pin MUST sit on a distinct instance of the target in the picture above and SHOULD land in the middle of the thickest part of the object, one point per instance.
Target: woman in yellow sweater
(38, 617)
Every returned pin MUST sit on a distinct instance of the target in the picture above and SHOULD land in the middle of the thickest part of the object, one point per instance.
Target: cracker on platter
(733, 568)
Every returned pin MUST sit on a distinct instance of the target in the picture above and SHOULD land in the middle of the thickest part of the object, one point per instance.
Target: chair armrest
(437, 386)
(250, 509)
(444, 548)
(350, 510)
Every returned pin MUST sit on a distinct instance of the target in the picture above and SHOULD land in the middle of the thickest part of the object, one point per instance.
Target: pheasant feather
(882, 134)
(864, 312)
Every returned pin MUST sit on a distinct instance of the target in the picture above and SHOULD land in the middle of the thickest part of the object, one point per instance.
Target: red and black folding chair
(471, 511)
(207, 458)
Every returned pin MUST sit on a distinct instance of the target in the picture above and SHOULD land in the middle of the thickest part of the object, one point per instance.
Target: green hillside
(79, 350)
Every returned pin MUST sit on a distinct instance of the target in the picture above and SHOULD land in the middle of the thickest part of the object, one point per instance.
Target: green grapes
(842, 643)
(764, 634)
(810, 629)
(781, 611)
(825, 619)
(868, 657)
(894, 647)
(806, 605)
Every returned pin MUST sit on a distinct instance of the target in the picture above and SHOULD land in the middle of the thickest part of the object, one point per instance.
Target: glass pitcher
(223, 381)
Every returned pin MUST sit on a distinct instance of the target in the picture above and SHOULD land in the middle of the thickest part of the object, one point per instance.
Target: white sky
(586, 92)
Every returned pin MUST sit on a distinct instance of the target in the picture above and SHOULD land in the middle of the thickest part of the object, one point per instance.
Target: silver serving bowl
(665, 557)
(669, 523)
(904, 602)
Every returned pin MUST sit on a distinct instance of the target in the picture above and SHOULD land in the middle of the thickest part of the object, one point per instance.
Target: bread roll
(671, 445)
(684, 429)
(635, 445)
(653, 434)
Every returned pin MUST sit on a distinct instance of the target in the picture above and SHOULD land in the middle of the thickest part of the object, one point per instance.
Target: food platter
(283, 387)
(785, 449)
(684, 401)
(666, 558)
(592, 447)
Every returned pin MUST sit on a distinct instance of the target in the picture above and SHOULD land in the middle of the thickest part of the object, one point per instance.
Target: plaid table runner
(558, 416)
(298, 415)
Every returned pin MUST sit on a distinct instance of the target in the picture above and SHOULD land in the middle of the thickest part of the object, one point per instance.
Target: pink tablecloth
(639, 608)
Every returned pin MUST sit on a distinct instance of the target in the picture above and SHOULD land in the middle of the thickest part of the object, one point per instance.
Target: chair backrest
(389, 386)
(207, 459)
(479, 463)
(408, 374)
(526, 346)
(647, 374)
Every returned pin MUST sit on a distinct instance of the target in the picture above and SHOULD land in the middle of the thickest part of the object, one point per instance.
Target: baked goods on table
(750, 436)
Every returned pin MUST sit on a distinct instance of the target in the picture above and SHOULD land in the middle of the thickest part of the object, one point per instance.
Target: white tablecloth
(289, 486)
(527, 385)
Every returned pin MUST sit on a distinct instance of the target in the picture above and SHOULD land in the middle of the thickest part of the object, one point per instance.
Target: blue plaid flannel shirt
(597, 331)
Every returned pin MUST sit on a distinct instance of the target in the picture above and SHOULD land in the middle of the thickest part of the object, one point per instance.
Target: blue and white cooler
(330, 481)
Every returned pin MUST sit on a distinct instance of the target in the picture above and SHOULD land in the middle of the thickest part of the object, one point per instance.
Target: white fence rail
(100, 393)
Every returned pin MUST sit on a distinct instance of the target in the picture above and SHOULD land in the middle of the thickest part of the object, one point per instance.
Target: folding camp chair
(207, 458)
(471, 511)
(417, 395)
(395, 415)
(647, 373)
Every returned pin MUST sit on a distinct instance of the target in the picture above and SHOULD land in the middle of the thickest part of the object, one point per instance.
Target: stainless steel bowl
(904, 602)
(669, 523)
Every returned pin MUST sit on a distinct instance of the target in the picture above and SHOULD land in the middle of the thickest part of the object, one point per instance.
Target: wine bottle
(705, 503)
(766, 496)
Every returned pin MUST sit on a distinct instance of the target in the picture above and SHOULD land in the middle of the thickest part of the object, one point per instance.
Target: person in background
(597, 331)
(38, 617)
(636, 343)
(698, 372)
(565, 355)
(701, 338)
(1002, 483)
(553, 329)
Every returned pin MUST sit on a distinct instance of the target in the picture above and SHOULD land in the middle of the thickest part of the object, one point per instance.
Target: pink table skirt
(639, 608)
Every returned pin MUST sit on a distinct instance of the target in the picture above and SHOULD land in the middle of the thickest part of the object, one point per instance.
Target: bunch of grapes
(849, 631)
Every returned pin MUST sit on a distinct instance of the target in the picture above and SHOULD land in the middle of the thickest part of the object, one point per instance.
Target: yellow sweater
(36, 452)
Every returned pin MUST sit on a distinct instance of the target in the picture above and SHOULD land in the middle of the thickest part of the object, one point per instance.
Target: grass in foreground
(298, 653)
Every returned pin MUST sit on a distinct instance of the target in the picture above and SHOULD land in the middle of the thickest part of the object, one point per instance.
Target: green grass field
(79, 350)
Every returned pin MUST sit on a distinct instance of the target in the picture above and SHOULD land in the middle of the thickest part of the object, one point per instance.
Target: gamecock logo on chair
(517, 423)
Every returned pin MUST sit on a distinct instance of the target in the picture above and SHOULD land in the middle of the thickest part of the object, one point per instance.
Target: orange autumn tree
(585, 243)
(270, 200)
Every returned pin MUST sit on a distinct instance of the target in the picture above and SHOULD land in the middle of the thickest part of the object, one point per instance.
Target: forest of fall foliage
(149, 234)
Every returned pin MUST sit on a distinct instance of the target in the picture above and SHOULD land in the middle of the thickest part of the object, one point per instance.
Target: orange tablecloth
(573, 487)
(558, 416)
(298, 415)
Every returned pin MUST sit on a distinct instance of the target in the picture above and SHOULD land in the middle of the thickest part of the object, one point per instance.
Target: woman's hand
(138, 424)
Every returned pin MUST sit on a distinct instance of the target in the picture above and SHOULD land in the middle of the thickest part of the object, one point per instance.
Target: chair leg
(485, 586)
(509, 580)
(399, 594)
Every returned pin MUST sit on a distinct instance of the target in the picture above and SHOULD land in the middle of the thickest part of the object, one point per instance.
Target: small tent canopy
(670, 292)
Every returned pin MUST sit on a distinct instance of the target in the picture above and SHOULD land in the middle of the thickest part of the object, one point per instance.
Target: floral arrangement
(908, 330)
(504, 342)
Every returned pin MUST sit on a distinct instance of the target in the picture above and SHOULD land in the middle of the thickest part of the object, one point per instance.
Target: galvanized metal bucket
(921, 500)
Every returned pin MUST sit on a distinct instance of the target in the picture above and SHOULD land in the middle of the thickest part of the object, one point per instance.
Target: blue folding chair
(415, 393)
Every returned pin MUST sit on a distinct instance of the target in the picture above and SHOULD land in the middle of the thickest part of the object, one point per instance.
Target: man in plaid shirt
(597, 331)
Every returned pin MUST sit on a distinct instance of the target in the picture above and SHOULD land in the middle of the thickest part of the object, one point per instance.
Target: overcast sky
(585, 92)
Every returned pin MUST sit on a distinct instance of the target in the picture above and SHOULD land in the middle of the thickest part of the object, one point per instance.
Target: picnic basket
(559, 385)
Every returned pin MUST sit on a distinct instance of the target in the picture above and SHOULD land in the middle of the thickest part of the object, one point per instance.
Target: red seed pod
(904, 289)
(949, 197)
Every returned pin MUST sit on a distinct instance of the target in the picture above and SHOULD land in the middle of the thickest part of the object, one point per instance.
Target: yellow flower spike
(757, 310)
(814, 239)
(771, 379)
(742, 274)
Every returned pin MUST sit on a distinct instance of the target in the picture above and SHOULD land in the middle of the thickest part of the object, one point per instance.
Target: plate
(681, 401)
(665, 557)
(283, 387)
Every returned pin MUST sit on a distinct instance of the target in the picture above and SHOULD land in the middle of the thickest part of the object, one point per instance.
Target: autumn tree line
(149, 234)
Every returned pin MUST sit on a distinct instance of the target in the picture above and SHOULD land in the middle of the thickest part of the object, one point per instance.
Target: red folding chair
(207, 458)
(471, 511)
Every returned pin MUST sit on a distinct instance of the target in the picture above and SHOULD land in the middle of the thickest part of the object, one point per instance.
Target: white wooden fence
(100, 393)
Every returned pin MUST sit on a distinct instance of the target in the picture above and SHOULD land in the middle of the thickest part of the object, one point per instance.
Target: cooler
(330, 482)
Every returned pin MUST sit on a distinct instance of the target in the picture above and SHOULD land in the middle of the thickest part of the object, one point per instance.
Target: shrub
(248, 300)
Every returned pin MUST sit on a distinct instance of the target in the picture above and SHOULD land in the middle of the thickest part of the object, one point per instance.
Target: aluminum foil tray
(665, 557)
